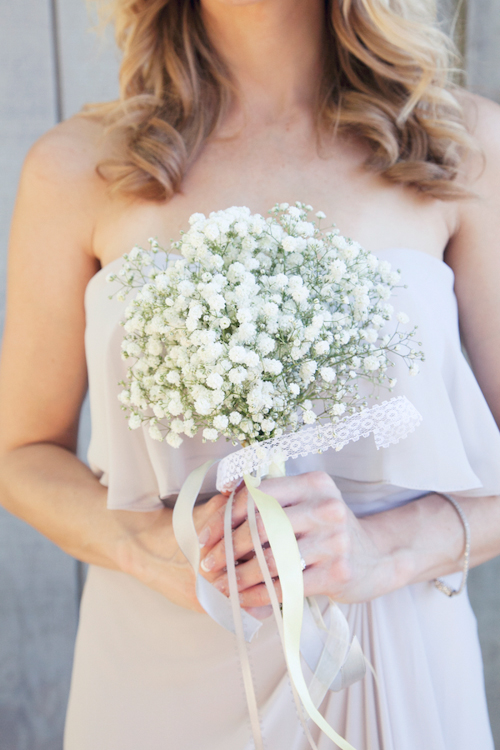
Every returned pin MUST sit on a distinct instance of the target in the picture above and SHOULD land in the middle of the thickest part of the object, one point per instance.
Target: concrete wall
(50, 66)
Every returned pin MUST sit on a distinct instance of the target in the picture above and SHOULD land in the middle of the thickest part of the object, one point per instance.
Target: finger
(212, 530)
(249, 573)
(242, 539)
(257, 596)
(312, 485)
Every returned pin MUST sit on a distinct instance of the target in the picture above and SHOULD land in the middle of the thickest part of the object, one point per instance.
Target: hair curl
(386, 78)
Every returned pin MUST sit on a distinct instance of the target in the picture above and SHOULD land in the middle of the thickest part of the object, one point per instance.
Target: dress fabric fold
(150, 675)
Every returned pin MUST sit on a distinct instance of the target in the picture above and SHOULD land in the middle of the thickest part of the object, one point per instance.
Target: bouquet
(261, 329)
(254, 324)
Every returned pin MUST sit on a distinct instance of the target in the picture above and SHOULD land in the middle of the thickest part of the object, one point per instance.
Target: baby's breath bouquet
(256, 322)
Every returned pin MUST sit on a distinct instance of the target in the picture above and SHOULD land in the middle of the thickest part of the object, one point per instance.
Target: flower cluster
(256, 322)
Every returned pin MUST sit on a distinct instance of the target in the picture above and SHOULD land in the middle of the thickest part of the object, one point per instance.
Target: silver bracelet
(438, 582)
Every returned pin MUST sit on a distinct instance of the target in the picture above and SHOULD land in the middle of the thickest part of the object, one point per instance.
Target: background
(50, 64)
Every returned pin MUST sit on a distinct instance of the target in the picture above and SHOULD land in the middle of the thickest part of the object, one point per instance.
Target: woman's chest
(364, 205)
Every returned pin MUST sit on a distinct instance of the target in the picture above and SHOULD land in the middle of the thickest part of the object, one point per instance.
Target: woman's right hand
(148, 551)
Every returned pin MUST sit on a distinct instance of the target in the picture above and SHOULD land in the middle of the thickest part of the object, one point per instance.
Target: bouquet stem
(276, 469)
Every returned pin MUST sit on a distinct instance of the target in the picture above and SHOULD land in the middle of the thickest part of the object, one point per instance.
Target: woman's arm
(43, 374)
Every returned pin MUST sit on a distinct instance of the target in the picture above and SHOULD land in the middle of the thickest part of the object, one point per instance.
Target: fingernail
(208, 563)
(221, 585)
(242, 599)
(204, 536)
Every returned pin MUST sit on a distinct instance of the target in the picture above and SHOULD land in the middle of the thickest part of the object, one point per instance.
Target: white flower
(307, 370)
(154, 432)
(203, 406)
(211, 231)
(273, 366)
(155, 347)
(246, 332)
(268, 425)
(270, 310)
(252, 359)
(224, 323)
(132, 349)
(309, 417)
(214, 380)
(237, 354)
(174, 439)
(184, 287)
(134, 421)
(305, 228)
(244, 315)
(159, 411)
(383, 291)
(265, 343)
(294, 389)
(403, 318)
(320, 215)
(195, 218)
(217, 397)
(414, 369)
(220, 422)
(235, 417)
(328, 374)
(338, 409)
(321, 347)
(177, 425)
(289, 244)
(371, 363)
(210, 434)
(237, 375)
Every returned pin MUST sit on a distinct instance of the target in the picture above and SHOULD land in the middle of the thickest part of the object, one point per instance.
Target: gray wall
(50, 66)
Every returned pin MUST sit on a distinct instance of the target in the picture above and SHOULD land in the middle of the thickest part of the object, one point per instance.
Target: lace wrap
(389, 422)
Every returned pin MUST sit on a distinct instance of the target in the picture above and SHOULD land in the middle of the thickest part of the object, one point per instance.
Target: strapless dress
(149, 675)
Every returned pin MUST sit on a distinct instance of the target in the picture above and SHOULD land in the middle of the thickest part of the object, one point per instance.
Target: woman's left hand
(345, 559)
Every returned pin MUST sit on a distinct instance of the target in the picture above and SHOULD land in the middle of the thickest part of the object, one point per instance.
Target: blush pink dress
(149, 675)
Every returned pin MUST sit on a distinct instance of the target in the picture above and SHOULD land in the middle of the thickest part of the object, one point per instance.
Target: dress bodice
(455, 449)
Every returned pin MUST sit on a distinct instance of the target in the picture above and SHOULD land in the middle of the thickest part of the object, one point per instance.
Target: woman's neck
(273, 49)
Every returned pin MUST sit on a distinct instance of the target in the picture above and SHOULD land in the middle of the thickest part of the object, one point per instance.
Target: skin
(66, 225)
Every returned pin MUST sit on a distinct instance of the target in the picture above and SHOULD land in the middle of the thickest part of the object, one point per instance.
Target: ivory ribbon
(213, 601)
(287, 556)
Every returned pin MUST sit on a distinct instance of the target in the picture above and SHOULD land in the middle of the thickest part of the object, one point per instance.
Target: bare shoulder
(472, 251)
(482, 117)
(68, 153)
(59, 183)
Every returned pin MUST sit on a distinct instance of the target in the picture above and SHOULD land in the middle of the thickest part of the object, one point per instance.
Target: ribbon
(287, 556)
(213, 601)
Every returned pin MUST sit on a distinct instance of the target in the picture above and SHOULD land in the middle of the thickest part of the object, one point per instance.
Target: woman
(344, 105)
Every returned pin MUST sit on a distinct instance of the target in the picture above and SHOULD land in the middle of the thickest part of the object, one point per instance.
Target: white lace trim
(390, 422)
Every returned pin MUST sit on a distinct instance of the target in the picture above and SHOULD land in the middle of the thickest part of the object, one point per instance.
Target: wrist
(396, 563)
(135, 539)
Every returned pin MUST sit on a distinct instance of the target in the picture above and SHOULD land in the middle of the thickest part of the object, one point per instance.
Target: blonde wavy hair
(387, 78)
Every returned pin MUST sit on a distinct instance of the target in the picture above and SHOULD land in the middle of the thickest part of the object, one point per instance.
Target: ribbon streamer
(246, 670)
(287, 556)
